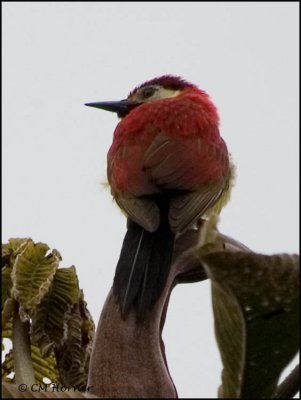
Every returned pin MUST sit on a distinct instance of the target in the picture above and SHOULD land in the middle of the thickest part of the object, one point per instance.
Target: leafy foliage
(43, 367)
(32, 275)
(50, 324)
(74, 356)
(50, 300)
(255, 302)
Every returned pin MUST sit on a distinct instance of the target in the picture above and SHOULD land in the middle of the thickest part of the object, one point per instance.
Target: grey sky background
(58, 56)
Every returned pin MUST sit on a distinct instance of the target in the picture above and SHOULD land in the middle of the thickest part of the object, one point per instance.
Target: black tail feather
(143, 267)
(156, 273)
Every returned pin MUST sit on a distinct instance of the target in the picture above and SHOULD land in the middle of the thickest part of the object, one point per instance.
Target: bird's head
(163, 87)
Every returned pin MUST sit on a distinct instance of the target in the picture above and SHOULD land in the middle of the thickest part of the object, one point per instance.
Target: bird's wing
(188, 165)
(143, 211)
(165, 163)
(186, 209)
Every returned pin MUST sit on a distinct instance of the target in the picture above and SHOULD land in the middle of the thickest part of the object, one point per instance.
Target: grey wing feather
(164, 163)
(186, 209)
(144, 212)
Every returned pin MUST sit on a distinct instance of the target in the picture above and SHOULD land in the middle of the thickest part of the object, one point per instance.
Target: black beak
(122, 107)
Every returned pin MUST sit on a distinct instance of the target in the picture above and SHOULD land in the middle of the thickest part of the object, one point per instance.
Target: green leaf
(11, 249)
(32, 275)
(13, 246)
(73, 362)
(7, 312)
(5, 256)
(7, 329)
(16, 245)
(73, 357)
(6, 284)
(88, 327)
(255, 303)
(43, 367)
(8, 367)
(50, 321)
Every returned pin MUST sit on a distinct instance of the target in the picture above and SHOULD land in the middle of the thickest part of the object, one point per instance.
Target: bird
(168, 167)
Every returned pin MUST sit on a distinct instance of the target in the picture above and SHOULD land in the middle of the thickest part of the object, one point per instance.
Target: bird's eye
(148, 92)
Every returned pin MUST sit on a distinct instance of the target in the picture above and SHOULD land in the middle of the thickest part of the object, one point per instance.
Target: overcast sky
(58, 56)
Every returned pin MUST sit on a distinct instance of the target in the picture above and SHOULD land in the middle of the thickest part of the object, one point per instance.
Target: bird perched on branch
(167, 167)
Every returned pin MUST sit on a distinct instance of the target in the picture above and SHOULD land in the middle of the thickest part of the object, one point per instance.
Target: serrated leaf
(7, 312)
(16, 245)
(8, 366)
(255, 302)
(11, 249)
(5, 250)
(50, 321)
(71, 357)
(88, 326)
(6, 284)
(5, 256)
(7, 329)
(43, 367)
(32, 275)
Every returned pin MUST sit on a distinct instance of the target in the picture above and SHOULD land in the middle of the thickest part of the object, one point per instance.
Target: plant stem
(24, 372)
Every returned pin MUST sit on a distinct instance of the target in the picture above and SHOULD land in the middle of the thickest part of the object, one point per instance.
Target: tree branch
(128, 359)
